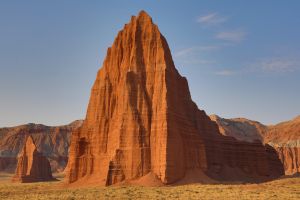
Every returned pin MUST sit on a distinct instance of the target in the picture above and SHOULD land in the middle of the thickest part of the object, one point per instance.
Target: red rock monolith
(141, 120)
(32, 165)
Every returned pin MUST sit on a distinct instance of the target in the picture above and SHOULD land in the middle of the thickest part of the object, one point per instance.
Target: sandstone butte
(32, 165)
(141, 123)
(283, 137)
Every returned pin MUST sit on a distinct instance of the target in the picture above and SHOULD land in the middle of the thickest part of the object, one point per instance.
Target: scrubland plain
(284, 188)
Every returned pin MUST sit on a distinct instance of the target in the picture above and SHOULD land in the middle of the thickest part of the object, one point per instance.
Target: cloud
(232, 36)
(225, 72)
(194, 50)
(273, 65)
(279, 65)
(195, 55)
(212, 19)
(197, 61)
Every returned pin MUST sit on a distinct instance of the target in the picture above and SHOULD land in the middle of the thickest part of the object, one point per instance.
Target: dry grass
(287, 188)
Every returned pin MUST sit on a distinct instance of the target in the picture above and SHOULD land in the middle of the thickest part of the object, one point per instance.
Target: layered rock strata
(52, 141)
(283, 137)
(141, 120)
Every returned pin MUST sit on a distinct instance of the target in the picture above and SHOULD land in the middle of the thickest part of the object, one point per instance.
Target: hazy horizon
(241, 59)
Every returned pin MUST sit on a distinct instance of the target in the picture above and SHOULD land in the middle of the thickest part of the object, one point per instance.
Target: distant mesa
(32, 165)
(142, 126)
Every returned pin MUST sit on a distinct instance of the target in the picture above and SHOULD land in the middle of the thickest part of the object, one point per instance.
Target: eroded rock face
(32, 165)
(287, 132)
(141, 120)
(290, 157)
(283, 137)
(240, 128)
(52, 141)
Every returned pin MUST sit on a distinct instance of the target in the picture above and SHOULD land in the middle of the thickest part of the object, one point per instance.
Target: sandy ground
(285, 188)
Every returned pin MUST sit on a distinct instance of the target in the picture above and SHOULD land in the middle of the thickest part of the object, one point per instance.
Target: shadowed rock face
(32, 165)
(141, 120)
(283, 137)
(52, 141)
(8, 163)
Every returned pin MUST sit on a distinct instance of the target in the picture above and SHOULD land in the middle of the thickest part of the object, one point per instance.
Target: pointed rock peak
(136, 46)
(144, 15)
(142, 18)
(30, 142)
(29, 145)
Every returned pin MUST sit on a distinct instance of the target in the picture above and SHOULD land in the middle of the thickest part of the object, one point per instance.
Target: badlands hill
(52, 141)
(284, 137)
(284, 133)
(240, 128)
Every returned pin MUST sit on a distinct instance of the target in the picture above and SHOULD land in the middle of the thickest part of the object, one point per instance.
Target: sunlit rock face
(285, 138)
(141, 120)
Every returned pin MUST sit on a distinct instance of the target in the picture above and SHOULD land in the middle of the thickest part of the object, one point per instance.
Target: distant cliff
(52, 141)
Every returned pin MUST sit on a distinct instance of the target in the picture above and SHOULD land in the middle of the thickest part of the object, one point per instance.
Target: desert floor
(285, 188)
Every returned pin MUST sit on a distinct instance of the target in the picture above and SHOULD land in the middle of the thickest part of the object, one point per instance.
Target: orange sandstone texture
(32, 165)
(290, 157)
(141, 120)
(285, 138)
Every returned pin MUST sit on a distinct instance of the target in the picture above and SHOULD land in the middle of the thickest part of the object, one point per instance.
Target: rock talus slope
(32, 165)
(141, 120)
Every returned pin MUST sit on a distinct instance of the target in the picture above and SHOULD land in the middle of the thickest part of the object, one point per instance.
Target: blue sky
(241, 58)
